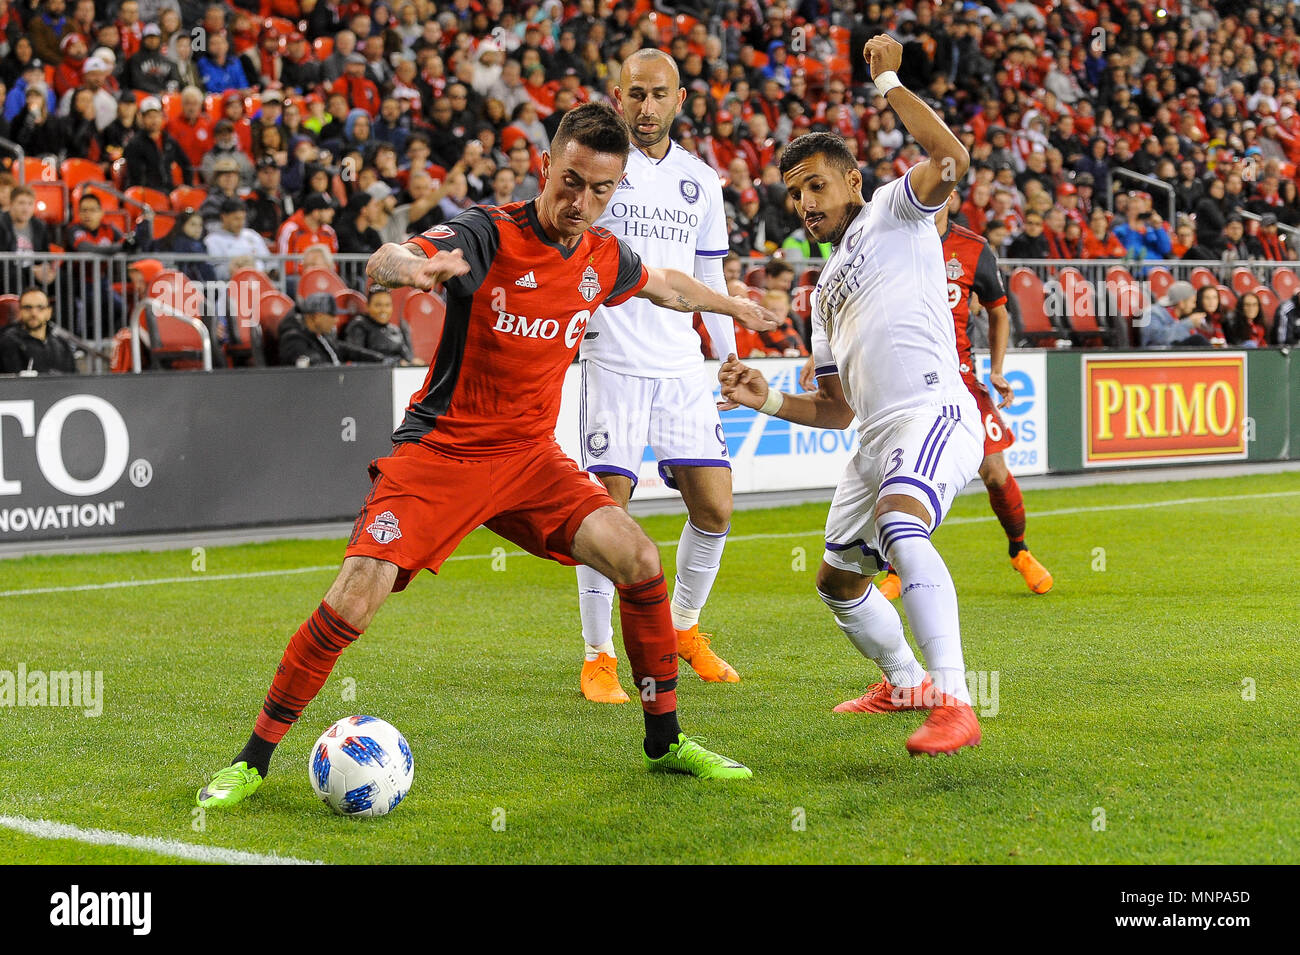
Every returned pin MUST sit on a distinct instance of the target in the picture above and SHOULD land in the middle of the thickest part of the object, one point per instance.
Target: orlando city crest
(597, 443)
(955, 269)
(690, 190)
(589, 287)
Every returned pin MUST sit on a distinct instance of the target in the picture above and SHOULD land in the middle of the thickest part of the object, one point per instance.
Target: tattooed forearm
(390, 266)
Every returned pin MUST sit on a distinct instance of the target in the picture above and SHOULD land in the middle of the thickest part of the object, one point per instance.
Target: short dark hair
(808, 145)
(776, 268)
(88, 197)
(594, 125)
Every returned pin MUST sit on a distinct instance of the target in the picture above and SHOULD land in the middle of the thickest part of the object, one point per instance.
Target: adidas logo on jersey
(527, 281)
(624, 183)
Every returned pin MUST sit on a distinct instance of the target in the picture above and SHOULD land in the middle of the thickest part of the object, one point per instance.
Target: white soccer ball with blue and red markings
(361, 766)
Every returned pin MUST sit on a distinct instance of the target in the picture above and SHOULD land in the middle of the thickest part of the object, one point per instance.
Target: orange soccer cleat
(884, 697)
(600, 680)
(1035, 574)
(891, 587)
(693, 647)
(950, 726)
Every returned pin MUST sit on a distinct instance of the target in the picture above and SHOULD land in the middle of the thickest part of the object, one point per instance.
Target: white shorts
(619, 415)
(929, 455)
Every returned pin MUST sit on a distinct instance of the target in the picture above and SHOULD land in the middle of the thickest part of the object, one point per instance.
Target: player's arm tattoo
(392, 266)
(670, 288)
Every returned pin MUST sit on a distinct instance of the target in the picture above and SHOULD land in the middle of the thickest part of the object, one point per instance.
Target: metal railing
(1151, 183)
(160, 309)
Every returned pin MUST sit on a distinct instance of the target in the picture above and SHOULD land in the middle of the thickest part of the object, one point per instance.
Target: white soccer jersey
(670, 212)
(880, 316)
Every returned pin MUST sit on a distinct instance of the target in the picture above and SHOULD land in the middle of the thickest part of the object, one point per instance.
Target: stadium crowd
(313, 127)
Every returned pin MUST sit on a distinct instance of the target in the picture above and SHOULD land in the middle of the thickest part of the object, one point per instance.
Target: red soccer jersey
(971, 267)
(513, 326)
(294, 238)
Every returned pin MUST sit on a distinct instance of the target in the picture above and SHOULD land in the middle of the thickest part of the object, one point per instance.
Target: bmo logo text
(46, 433)
(543, 328)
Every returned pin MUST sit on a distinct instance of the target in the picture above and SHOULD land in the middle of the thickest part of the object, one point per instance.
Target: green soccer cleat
(229, 787)
(688, 756)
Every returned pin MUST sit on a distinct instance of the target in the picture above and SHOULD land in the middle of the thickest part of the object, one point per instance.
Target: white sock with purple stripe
(929, 597)
(596, 607)
(699, 555)
(872, 625)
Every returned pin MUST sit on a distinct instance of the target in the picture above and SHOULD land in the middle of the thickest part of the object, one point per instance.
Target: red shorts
(997, 436)
(422, 504)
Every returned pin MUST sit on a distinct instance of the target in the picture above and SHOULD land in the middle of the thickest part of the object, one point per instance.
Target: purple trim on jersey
(611, 469)
(934, 498)
(692, 463)
(708, 533)
(907, 187)
(711, 252)
(857, 603)
(925, 445)
(936, 450)
(867, 551)
(826, 370)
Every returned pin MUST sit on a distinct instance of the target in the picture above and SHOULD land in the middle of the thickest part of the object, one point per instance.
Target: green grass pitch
(1144, 707)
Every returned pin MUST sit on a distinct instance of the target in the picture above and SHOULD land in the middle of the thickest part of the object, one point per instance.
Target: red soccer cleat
(950, 726)
(884, 697)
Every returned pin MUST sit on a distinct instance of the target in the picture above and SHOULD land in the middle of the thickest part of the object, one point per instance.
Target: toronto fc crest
(384, 528)
(955, 269)
(589, 287)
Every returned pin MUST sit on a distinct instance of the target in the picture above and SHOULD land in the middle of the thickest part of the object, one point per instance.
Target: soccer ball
(361, 766)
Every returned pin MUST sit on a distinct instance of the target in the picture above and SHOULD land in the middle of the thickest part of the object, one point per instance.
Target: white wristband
(775, 399)
(885, 82)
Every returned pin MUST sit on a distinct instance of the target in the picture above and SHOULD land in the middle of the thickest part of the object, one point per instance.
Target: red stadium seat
(35, 169)
(323, 46)
(255, 281)
(74, 172)
(281, 26)
(754, 277)
(318, 281)
(174, 343)
(1080, 307)
(1285, 283)
(176, 291)
(8, 310)
(1201, 277)
(1027, 287)
(350, 302)
(187, 197)
(119, 219)
(51, 202)
(841, 37)
(271, 311)
(400, 295)
(163, 224)
(810, 276)
(171, 106)
(100, 190)
(424, 315)
(1268, 302)
(1228, 298)
(842, 69)
(1159, 279)
(1243, 281)
(155, 200)
(801, 301)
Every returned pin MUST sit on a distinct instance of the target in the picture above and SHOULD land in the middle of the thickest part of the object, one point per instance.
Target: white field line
(45, 829)
(321, 568)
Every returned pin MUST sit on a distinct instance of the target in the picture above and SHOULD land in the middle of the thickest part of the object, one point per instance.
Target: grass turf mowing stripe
(321, 568)
(45, 829)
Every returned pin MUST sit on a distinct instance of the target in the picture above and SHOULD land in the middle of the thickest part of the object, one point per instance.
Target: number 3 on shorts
(992, 427)
(895, 461)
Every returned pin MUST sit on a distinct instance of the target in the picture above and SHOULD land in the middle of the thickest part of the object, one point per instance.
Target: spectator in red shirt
(361, 92)
(192, 128)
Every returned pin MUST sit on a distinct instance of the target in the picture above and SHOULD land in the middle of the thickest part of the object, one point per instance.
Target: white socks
(699, 554)
(929, 596)
(596, 607)
(872, 625)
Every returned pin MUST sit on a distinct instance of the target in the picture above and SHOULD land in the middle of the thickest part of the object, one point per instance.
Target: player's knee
(712, 518)
(993, 471)
(639, 561)
(840, 584)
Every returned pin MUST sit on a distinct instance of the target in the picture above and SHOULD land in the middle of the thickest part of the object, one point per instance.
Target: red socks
(650, 642)
(1009, 506)
(303, 670)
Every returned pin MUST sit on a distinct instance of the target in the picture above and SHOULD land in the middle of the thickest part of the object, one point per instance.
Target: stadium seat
(257, 282)
(1244, 280)
(155, 200)
(1027, 287)
(1201, 277)
(163, 224)
(119, 219)
(754, 277)
(1159, 279)
(178, 292)
(35, 169)
(8, 310)
(841, 68)
(1228, 298)
(400, 295)
(103, 191)
(174, 343)
(171, 106)
(1285, 283)
(187, 197)
(424, 315)
(801, 302)
(280, 26)
(350, 302)
(841, 37)
(317, 281)
(1081, 308)
(272, 308)
(323, 46)
(51, 202)
(810, 276)
(212, 106)
(1268, 302)
(74, 172)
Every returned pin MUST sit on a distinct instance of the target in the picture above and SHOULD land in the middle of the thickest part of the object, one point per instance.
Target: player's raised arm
(670, 288)
(823, 408)
(934, 178)
(395, 266)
